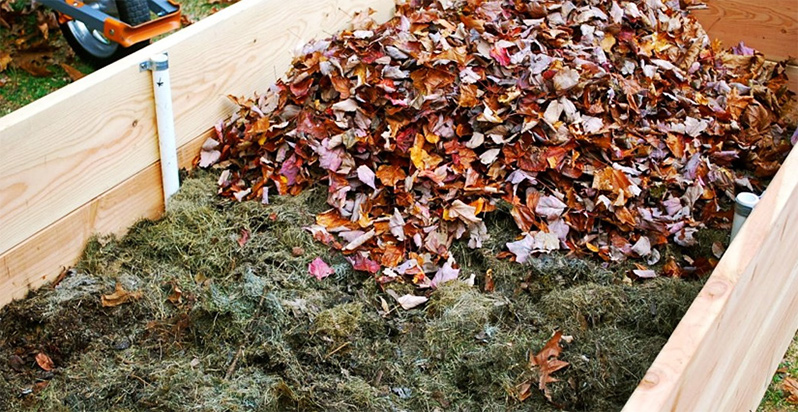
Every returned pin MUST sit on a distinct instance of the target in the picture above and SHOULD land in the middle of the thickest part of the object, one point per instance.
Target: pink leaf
(550, 206)
(320, 269)
(366, 176)
(445, 274)
(522, 248)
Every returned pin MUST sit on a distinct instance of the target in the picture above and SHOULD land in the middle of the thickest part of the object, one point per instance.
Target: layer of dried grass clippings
(251, 329)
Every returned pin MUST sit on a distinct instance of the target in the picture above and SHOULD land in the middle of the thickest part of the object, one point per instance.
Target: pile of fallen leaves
(603, 127)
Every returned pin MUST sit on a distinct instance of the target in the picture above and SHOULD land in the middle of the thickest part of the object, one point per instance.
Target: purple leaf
(743, 50)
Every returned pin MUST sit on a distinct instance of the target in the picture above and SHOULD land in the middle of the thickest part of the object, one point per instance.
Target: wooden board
(39, 259)
(84, 160)
(792, 74)
(724, 351)
(66, 149)
(770, 26)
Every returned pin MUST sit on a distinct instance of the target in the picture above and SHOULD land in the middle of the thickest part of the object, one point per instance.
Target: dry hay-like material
(225, 323)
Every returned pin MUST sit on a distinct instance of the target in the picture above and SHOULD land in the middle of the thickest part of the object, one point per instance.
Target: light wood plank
(770, 26)
(66, 149)
(39, 259)
(724, 351)
(792, 74)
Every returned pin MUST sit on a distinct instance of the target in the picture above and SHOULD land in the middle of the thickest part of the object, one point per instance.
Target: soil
(220, 326)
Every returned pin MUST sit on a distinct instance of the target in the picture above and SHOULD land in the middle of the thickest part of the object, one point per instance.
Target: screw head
(111, 32)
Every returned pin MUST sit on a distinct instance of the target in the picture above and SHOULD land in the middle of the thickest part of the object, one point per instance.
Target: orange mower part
(127, 35)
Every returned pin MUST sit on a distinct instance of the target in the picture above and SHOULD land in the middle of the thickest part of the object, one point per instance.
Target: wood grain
(66, 149)
(724, 351)
(770, 26)
(40, 258)
(792, 74)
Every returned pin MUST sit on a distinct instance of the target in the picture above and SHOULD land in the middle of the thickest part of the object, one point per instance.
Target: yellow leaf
(417, 155)
(607, 42)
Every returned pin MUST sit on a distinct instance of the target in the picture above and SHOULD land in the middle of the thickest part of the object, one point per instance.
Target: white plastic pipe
(743, 205)
(162, 88)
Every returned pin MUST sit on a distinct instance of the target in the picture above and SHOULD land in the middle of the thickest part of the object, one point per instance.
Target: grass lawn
(24, 43)
(777, 396)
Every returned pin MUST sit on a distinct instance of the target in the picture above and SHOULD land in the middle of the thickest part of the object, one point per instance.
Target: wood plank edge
(658, 389)
(792, 77)
(39, 259)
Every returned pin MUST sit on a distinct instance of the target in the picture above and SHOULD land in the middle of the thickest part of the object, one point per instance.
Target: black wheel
(91, 45)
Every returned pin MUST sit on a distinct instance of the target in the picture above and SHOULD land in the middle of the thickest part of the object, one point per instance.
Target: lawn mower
(103, 31)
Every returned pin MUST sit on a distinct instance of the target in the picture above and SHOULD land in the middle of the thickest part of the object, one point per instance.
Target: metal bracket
(149, 65)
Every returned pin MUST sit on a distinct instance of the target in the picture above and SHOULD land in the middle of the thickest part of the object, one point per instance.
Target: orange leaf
(261, 125)
(390, 174)
(44, 362)
(5, 59)
(331, 219)
(392, 256)
(676, 144)
(468, 95)
(421, 159)
(72, 72)
(489, 284)
(429, 80)
(672, 269)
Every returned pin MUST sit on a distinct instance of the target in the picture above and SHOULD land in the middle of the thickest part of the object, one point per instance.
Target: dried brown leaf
(547, 363)
(34, 63)
(119, 296)
(790, 386)
(176, 296)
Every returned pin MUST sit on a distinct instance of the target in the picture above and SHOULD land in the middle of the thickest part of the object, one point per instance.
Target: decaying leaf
(119, 296)
(243, 237)
(790, 386)
(176, 296)
(44, 362)
(34, 63)
(408, 301)
(489, 282)
(547, 363)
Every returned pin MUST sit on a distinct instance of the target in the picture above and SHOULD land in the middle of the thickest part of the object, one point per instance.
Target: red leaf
(243, 238)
